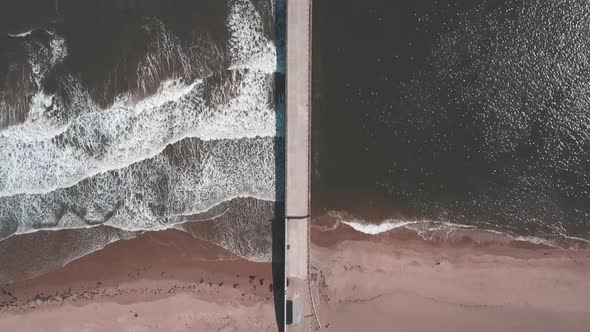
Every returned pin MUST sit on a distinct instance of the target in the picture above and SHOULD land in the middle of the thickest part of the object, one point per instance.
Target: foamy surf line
(20, 35)
(190, 176)
(175, 225)
(44, 250)
(177, 111)
(429, 230)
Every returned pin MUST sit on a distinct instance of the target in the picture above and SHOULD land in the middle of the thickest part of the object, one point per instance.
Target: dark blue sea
(467, 113)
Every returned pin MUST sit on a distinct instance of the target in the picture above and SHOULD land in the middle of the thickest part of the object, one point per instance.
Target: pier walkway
(297, 176)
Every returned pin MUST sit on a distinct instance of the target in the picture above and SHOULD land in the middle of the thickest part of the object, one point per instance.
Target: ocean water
(122, 117)
(473, 113)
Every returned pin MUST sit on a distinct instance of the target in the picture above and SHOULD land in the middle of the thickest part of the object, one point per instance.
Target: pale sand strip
(384, 283)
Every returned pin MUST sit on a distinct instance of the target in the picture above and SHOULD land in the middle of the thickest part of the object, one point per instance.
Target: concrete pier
(298, 158)
(298, 107)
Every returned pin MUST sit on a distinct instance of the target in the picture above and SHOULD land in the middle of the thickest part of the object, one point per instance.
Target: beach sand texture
(160, 281)
(399, 282)
(393, 281)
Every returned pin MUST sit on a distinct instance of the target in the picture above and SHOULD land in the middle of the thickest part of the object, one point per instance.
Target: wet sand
(158, 281)
(397, 281)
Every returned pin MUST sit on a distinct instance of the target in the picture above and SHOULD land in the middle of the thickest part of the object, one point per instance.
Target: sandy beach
(396, 281)
(159, 281)
(393, 281)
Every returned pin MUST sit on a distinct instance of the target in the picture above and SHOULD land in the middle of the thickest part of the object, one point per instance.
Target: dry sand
(160, 281)
(399, 282)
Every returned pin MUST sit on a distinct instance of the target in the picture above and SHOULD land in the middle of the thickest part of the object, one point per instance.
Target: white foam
(72, 164)
(249, 48)
(57, 45)
(575, 238)
(155, 193)
(94, 140)
(374, 229)
(370, 228)
(128, 134)
(532, 239)
(72, 222)
(36, 127)
(20, 35)
(427, 228)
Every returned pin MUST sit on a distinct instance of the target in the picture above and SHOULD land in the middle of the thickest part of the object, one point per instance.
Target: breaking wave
(25, 256)
(197, 128)
(447, 231)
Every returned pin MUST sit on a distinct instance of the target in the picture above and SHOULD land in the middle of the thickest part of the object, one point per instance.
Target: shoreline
(28, 255)
(170, 279)
(442, 231)
(397, 278)
(143, 281)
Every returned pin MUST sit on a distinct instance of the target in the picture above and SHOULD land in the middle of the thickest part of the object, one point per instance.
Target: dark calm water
(472, 112)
